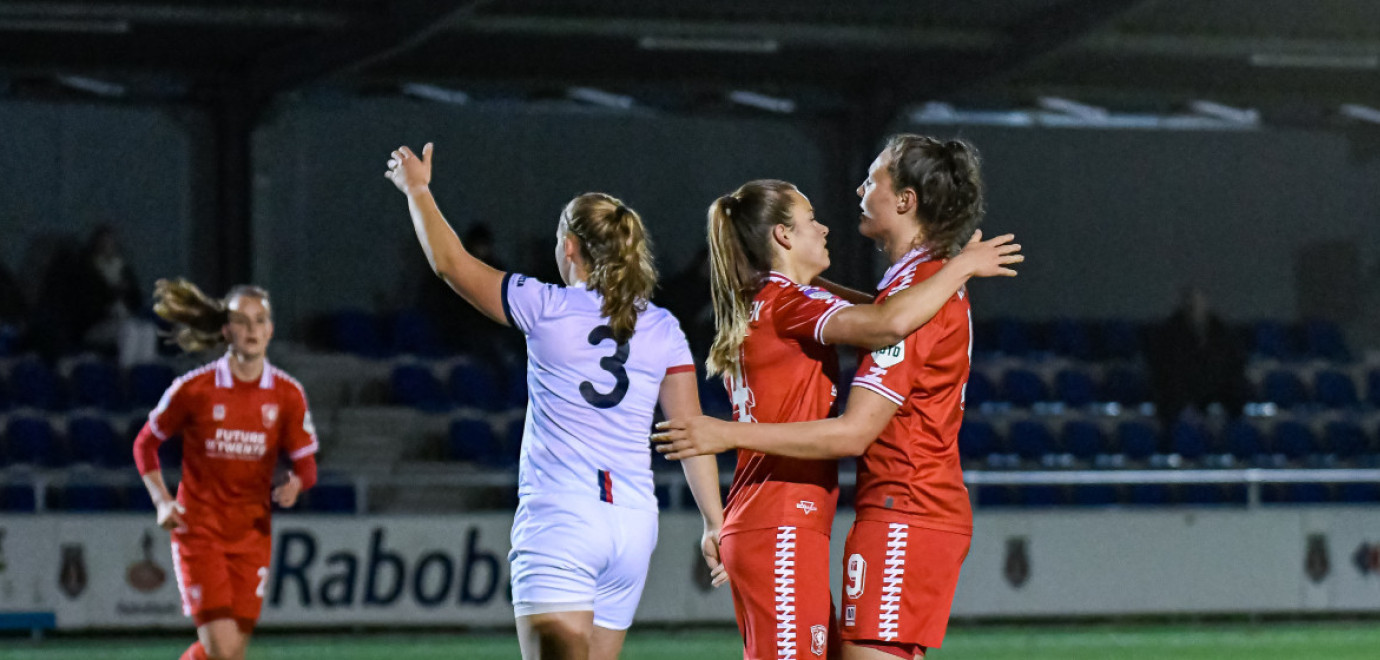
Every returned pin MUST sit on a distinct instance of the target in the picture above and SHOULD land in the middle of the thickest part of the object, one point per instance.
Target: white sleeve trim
(305, 451)
(824, 318)
(880, 389)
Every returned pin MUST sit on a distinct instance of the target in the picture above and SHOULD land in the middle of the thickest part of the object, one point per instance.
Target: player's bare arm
(477, 282)
(876, 326)
(679, 397)
(849, 434)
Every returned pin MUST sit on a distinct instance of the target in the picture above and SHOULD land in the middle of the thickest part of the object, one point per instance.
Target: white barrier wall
(99, 572)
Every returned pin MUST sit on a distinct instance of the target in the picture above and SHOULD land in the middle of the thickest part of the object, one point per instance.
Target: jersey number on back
(613, 364)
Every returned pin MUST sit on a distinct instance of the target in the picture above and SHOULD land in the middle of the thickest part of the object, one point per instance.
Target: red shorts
(899, 582)
(780, 582)
(216, 585)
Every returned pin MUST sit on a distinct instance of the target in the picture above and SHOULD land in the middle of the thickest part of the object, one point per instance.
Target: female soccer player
(772, 345)
(236, 416)
(921, 200)
(599, 359)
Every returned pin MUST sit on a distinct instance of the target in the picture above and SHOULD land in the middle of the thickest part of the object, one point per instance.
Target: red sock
(194, 652)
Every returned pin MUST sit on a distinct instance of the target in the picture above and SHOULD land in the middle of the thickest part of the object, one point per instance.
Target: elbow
(884, 338)
(852, 445)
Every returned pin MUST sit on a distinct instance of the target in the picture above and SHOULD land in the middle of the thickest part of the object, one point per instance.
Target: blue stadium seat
(1244, 440)
(1310, 493)
(1358, 493)
(1202, 494)
(1346, 439)
(1023, 387)
(1295, 440)
(414, 385)
(1189, 440)
(1324, 340)
(512, 442)
(357, 332)
(1041, 495)
(330, 498)
(1120, 339)
(516, 387)
(1284, 388)
(1094, 495)
(980, 390)
(137, 499)
(147, 382)
(1071, 338)
(1125, 385)
(93, 440)
(1083, 439)
(663, 496)
(714, 398)
(1149, 494)
(1274, 340)
(1137, 439)
(415, 334)
(88, 499)
(473, 440)
(988, 496)
(34, 385)
(1015, 337)
(6, 400)
(96, 385)
(474, 385)
(1335, 389)
(1030, 439)
(18, 498)
(1373, 387)
(31, 440)
(977, 439)
(1075, 387)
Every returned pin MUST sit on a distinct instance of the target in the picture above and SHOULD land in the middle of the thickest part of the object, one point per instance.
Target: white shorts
(573, 554)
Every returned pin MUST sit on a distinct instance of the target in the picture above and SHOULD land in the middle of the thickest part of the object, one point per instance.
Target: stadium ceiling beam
(175, 13)
(1041, 35)
(407, 24)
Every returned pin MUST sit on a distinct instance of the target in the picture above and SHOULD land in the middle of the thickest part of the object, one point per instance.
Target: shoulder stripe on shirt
(168, 395)
(503, 295)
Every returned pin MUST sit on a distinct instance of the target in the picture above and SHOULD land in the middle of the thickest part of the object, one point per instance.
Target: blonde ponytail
(196, 317)
(618, 254)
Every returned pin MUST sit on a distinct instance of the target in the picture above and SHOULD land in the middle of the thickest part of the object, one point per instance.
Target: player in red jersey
(772, 346)
(921, 201)
(236, 416)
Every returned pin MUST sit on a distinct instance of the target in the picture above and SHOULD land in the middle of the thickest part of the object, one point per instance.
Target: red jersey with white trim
(788, 375)
(911, 474)
(232, 434)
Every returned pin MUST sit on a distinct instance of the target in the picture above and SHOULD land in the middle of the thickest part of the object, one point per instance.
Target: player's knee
(225, 647)
(560, 633)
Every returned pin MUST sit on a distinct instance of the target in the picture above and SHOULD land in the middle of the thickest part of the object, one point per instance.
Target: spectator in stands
(54, 331)
(13, 311)
(108, 303)
(1196, 359)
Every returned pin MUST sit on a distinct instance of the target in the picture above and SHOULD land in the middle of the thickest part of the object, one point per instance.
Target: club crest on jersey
(818, 635)
(270, 411)
(890, 356)
(816, 294)
(807, 506)
(218, 412)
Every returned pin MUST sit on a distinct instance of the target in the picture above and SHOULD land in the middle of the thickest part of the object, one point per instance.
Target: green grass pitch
(1333, 641)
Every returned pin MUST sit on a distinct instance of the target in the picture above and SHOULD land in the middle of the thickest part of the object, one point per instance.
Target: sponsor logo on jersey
(816, 294)
(233, 443)
(72, 571)
(521, 280)
(145, 575)
(890, 356)
(807, 506)
(270, 411)
(218, 412)
(856, 578)
(1016, 568)
(1316, 564)
(818, 635)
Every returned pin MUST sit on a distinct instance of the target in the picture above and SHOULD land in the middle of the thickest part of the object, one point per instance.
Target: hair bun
(728, 203)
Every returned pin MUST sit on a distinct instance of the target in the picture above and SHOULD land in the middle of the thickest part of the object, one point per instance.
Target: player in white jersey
(600, 357)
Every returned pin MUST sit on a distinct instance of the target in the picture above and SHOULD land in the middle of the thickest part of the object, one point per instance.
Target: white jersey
(590, 399)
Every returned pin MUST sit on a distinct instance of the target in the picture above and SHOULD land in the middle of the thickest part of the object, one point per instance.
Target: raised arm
(875, 326)
(478, 283)
(849, 434)
(680, 399)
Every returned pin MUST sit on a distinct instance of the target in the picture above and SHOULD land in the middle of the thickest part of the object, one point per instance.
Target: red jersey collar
(224, 377)
(911, 259)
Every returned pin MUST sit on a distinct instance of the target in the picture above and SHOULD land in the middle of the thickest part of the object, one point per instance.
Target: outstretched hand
(991, 258)
(679, 439)
(409, 172)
